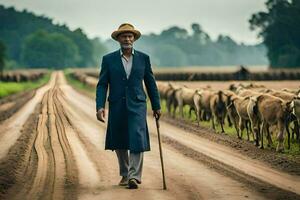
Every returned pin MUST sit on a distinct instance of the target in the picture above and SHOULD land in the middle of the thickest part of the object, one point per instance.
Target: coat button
(124, 79)
(123, 97)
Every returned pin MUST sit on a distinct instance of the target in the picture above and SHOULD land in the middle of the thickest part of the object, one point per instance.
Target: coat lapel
(134, 63)
(120, 63)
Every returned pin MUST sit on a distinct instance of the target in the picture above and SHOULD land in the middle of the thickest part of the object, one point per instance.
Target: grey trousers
(131, 164)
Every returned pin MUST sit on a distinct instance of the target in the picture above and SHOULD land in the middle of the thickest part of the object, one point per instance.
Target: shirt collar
(132, 52)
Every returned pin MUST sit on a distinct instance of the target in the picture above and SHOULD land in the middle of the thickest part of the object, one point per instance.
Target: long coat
(127, 125)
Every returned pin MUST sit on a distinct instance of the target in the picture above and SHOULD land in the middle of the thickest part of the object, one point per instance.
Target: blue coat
(127, 125)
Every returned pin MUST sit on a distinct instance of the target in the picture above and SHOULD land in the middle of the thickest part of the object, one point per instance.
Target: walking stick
(160, 153)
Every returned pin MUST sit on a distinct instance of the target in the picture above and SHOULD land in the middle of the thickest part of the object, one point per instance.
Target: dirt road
(59, 155)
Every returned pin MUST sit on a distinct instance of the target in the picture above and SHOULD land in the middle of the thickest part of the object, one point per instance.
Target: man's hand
(101, 115)
(156, 114)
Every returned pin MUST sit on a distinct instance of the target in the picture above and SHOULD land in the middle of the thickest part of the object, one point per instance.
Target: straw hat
(126, 27)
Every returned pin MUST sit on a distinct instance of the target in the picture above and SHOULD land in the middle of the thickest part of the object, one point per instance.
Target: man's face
(126, 40)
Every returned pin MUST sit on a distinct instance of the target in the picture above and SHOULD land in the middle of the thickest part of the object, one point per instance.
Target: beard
(126, 46)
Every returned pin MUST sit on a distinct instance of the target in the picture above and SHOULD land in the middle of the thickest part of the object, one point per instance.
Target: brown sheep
(295, 91)
(241, 104)
(272, 111)
(232, 113)
(218, 108)
(185, 96)
(171, 98)
(197, 101)
(202, 104)
(163, 88)
(295, 105)
(238, 86)
(287, 96)
(246, 92)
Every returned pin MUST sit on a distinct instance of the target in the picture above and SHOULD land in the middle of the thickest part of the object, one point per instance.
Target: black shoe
(124, 181)
(132, 184)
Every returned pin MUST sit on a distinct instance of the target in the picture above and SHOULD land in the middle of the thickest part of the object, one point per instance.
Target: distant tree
(196, 28)
(280, 29)
(199, 35)
(2, 57)
(98, 51)
(174, 32)
(15, 26)
(51, 50)
(170, 55)
(85, 47)
(176, 47)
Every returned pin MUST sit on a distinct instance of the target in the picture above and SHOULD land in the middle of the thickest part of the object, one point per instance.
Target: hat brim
(136, 34)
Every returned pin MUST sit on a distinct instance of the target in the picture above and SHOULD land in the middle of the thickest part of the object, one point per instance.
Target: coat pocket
(141, 97)
(140, 94)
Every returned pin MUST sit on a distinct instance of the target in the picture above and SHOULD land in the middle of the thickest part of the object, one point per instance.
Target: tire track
(11, 128)
(56, 172)
(39, 146)
(20, 161)
(59, 160)
(62, 125)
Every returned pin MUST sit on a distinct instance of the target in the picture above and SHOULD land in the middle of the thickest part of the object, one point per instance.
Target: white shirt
(127, 62)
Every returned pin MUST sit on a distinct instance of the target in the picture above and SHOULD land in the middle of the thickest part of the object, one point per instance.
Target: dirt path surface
(11, 104)
(11, 128)
(63, 158)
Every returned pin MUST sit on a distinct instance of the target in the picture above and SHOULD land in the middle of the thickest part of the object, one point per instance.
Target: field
(9, 88)
(52, 147)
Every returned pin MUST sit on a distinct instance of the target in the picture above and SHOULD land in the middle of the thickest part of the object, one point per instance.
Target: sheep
(163, 88)
(296, 91)
(218, 108)
(295, 106)
(287, 96)
(241, 104)
(235, 87)
(246, 92)
(272, 111)
(202, 104)
(171, 98)
(197, 101)
(185, 96)
(232, 113)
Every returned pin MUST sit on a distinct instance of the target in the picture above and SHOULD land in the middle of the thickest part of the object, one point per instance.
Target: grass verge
(8, 88)
(79, 85)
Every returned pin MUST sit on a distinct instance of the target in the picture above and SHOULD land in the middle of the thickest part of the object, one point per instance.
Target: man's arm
(151, 86)
(102, 85)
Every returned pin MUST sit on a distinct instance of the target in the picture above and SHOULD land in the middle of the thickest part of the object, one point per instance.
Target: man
(124, 72)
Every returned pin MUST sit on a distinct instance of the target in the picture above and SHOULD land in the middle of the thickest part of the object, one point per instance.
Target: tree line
(279, 27)
(176, 47)
(36, 42)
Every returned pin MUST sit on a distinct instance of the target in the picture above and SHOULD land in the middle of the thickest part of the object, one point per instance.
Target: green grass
(8, 88)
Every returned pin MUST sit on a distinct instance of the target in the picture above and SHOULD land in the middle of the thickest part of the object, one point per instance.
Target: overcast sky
(100, 18)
